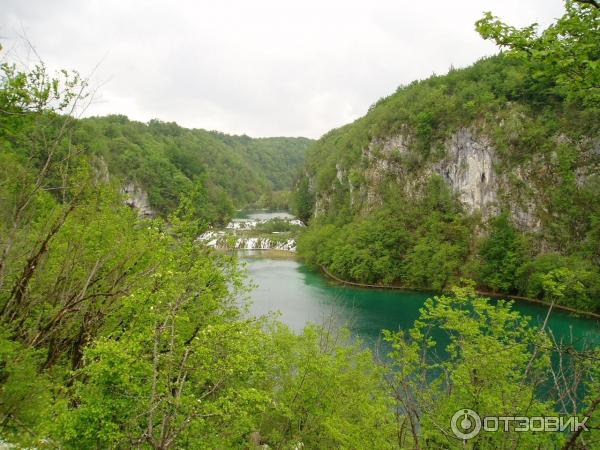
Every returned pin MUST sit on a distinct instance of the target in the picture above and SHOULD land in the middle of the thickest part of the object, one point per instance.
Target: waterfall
(238, 234)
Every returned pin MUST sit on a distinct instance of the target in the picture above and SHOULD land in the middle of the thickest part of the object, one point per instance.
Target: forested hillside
(165, 161)
(491, 172)
(119, 331)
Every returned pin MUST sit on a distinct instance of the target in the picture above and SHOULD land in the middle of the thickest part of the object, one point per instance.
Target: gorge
(164, 287)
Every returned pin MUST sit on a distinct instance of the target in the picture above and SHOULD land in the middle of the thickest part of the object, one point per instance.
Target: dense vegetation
(385, 214)
(123, 332)
(120, 332)
(166, 160)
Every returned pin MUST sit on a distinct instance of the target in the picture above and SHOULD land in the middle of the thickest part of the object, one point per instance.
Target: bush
(582, 285)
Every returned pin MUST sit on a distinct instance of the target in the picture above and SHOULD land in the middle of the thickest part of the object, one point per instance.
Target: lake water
(301, 295)
(263, 215)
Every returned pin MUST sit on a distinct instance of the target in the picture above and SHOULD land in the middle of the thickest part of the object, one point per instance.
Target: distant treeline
(166, 160)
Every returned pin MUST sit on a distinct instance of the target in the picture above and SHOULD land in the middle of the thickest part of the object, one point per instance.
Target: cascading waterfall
(230, 239)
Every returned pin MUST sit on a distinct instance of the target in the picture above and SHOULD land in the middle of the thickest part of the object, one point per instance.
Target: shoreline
(588, 314)
(286, 254)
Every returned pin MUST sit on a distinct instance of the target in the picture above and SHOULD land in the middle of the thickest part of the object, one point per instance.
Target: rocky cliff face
(138, 198)
(468, 168)
(468, 164)
(135, 196)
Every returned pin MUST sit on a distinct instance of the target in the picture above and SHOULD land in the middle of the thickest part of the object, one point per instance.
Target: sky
(255, 67)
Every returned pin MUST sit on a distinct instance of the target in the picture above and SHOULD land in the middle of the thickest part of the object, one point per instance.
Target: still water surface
(262, 215)
(301, 295)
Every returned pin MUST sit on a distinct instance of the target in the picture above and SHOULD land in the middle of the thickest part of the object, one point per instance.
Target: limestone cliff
(496, 139)
(137, 198)
(468, 163)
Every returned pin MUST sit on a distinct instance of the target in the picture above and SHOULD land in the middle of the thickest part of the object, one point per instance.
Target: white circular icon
(466, 424)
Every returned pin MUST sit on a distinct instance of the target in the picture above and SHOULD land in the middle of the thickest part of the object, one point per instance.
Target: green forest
(166, 161)
(119, 331)
(537, 105)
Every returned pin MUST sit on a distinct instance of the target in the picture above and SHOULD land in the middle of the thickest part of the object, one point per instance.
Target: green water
(301, 295)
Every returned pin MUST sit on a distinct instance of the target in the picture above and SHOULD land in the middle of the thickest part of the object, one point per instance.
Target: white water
(222, 239)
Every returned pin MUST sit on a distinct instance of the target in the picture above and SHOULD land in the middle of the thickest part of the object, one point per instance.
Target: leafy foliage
(564, 57)
(536, 107)
(303, 201)
(121, 332)
(489, 365)
(503, 254)
(396, 245)
(167, 160)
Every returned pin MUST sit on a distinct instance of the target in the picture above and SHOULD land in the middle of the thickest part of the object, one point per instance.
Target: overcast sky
(259, 67)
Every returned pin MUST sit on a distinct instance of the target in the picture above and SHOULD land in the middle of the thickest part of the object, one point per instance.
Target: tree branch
(593, 3)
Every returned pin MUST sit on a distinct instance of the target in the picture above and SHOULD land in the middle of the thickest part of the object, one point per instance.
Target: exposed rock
(100, 168)
(468, 170)
(394, 146)
(524, 218)
(467, 166)
(591, 166)
(340, 173)
(138, 198)
(322, 204)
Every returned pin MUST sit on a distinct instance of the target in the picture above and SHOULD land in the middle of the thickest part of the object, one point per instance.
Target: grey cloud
(266, 67)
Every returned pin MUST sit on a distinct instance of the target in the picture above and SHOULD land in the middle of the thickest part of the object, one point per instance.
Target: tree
(502, 254)
(303, 200)
(470, 354)
(566, 54)
(327, 393)
(578, 279)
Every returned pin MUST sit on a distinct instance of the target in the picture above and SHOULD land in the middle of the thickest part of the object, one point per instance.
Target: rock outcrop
(467, 164)
(137, 198)
(468, 169)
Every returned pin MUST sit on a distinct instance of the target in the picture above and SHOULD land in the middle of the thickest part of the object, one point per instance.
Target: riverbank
(588, 314)
(301, 295)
